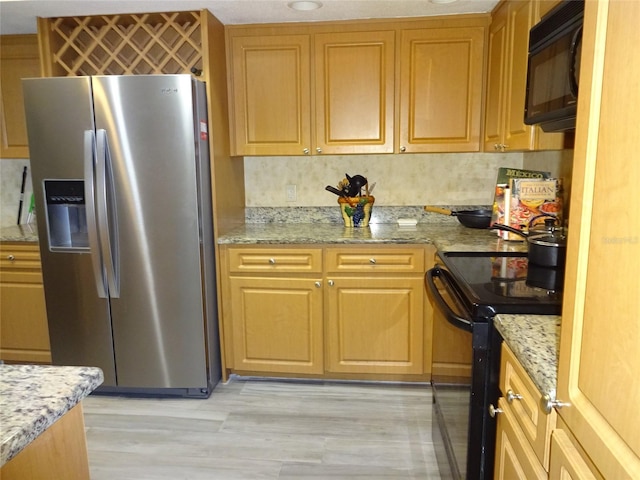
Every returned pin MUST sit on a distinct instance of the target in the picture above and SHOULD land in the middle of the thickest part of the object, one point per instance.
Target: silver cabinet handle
(318, 284)
(372, 261)
(547, 404)
(331, 283)
(11, 258)
(493, 411)
(305, 151)
(511, 396)
(318, 149)
(403, 148)
(496, 146)
(272, 261)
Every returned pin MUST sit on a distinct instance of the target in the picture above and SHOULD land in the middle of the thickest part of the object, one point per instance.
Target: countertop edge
(535, 341)
(29, 418)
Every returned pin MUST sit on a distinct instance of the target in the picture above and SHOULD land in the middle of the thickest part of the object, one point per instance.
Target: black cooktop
(489, 283)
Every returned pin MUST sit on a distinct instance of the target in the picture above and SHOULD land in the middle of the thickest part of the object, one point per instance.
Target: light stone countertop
(535, 341)
(19, 233)
(445, 237)
(33, 397)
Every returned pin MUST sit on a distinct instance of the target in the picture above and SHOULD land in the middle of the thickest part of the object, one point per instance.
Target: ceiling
(19, 16)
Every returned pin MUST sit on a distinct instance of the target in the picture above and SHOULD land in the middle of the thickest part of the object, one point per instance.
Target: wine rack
(131, 44)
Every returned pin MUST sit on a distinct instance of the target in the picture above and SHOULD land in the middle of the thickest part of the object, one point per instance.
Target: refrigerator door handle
(106, 210)
(90, 207)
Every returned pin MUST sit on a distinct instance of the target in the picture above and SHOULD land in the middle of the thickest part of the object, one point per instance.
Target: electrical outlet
(292, 194)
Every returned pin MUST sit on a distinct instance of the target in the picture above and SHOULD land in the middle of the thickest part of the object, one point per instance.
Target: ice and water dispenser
(66, 215)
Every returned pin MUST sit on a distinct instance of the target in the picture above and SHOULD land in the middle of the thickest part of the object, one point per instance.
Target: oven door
(463, 439)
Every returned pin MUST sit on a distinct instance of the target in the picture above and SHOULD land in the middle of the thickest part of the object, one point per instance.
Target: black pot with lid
(547, 247)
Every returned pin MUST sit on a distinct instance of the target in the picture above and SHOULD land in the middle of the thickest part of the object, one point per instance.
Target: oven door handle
(452, 317)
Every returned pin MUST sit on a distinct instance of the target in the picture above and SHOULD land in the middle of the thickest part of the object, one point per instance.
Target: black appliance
(554, 68)
(469, 289)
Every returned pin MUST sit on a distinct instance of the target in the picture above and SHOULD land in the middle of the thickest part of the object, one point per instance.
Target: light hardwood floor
(256, 429)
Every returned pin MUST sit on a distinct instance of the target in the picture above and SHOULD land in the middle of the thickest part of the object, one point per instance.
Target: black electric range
(469, 289)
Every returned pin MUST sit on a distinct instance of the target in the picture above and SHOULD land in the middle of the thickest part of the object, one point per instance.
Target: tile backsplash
(10, 183)
(408, 179)
(401, 180)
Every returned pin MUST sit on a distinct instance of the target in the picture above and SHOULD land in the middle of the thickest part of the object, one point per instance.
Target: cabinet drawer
(524, 404)
(265, 260)
(366, 260)
(19, 257)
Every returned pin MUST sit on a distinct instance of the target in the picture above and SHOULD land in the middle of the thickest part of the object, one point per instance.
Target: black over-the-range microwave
(554, 68)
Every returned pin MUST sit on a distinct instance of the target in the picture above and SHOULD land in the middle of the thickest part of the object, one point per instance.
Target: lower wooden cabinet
(24, 333)
(568, 462)
(334, 311)
(523, 436)
(515, 459)
(277, 324)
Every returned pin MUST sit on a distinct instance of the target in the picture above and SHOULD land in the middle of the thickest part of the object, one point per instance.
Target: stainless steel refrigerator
(121, 178)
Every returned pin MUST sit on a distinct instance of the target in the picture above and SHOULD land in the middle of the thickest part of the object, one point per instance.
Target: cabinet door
(277, 324)
(19, 59)
(270, 95)
(566, 461)
(441, 89)
(375, 325)
(599, 362)
(521, 17)
(354, 75)
(515, 459)
(24, 333)
(495, 101)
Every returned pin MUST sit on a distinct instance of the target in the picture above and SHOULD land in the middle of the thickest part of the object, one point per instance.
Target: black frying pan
(469, 218)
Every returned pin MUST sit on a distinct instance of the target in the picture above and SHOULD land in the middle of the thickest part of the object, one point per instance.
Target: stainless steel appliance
(554, 68)
(469, 289)
(120, 169)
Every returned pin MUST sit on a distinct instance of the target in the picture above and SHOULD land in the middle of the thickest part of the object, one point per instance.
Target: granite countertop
(33, 397)
(535, 341)
(445, 237)
(19, 233)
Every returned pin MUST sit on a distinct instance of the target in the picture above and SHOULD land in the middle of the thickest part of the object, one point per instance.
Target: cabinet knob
(503, 147)
(318, 149)
(493, 411)
(305, 151)
(403, 148)
(548, 404)
(511, 396)
(272, 261)
(372, 261)
(11, 258)
(331, 283)
(318, 284)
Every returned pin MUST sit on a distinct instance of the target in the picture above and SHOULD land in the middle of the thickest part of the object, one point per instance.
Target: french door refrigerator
(120, 168)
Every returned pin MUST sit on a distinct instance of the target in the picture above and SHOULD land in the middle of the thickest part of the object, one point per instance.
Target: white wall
(408, 179)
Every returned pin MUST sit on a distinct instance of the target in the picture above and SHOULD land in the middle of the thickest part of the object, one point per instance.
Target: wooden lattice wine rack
(137, 44)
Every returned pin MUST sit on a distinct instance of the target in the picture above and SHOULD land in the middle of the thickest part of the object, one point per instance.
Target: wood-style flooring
(266, 429)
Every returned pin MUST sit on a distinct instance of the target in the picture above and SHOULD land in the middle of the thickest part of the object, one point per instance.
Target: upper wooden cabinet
(270, 95)
(508, 42)
(441, 89)
(271, 98)
(19, 59)
(357, 88)
(599, 359)
(354, 75)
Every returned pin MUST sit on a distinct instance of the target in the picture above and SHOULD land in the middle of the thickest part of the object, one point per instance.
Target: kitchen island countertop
(33, 397)
(535, 341)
